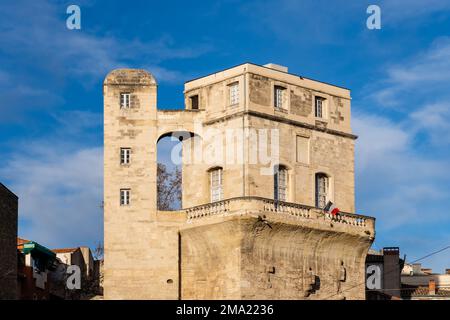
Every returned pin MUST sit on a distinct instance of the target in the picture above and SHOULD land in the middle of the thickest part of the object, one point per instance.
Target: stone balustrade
(209, 209)
(293, 210)
(348, 218)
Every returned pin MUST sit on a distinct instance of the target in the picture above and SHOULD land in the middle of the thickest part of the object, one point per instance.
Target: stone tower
(263, 151)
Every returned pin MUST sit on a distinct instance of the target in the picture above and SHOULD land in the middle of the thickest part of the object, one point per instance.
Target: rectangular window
(321, 190)
(216, 185)
(125, 155)
(302, 149)
(320, 102)
(280, 184)
(124, 197)
(194, 102)
(125, 99)
(234, 93)
(279, 97)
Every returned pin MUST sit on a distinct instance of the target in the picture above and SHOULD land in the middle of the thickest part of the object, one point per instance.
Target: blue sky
(51, 90)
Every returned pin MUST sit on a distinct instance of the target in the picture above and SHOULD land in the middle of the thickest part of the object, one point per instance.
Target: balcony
(281, 212)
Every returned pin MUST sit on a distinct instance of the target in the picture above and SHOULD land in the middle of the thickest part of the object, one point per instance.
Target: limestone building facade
(263, 151)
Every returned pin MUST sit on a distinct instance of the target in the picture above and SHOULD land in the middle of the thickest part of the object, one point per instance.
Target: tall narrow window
(234, 93)
(280, 183)
(125, 155)
(320, 102)
(216, 184)
(194, 102)
(125, 100)
(322, 187)
(279, 96)
(124, 197)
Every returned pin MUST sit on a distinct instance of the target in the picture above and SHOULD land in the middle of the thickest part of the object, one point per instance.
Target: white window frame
(322, 190)
(125, 156)
(125, 195)
(279, 97)
(319, 107)
(125, 100)
(216, 184)
(281, 183)
(234, 93)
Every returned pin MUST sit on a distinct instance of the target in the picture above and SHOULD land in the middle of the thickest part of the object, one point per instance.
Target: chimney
(447, 271)
(276, 67)
(431, 287)
(417, 268)
(391, 271)
(427, 270)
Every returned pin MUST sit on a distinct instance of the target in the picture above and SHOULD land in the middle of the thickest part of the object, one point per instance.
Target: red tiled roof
(423, 291)
(64, 250)
(21, 241)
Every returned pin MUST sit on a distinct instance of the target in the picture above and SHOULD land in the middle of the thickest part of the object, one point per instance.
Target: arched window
(322, 189)
(280, 183)
(216, 183)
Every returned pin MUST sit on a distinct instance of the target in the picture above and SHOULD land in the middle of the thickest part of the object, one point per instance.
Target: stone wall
(246, 258)
(8, 244)
(140, 254)
(301, 101)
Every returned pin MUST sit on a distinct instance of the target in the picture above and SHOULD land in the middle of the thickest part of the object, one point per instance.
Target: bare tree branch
(168, 187)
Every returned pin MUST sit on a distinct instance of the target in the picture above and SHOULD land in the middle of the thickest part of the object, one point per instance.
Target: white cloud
(80, 52)
(324, 22)
(39, 54)
(402, 162)
(19, 96)
(402, 155)
(433, 120)
(167, 75)
(417, 88)
(394, 180)
(77, 121)
(58, 178)
(429, 66)
(403, 11)
(424, 76)
(59, 195)
(378, 137)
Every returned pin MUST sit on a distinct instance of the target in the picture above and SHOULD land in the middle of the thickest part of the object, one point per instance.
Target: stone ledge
(270, 210)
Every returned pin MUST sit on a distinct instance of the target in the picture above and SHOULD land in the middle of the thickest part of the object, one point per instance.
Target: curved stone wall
(247, 258)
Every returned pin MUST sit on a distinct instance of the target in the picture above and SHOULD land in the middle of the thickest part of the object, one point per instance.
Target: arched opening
(171, 147)
(280, 183)
(322, 189)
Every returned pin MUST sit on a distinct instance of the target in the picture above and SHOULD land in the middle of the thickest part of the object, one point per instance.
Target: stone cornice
(282, 120)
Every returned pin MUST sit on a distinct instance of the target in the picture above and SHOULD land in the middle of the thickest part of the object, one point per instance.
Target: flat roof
(261, 66)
